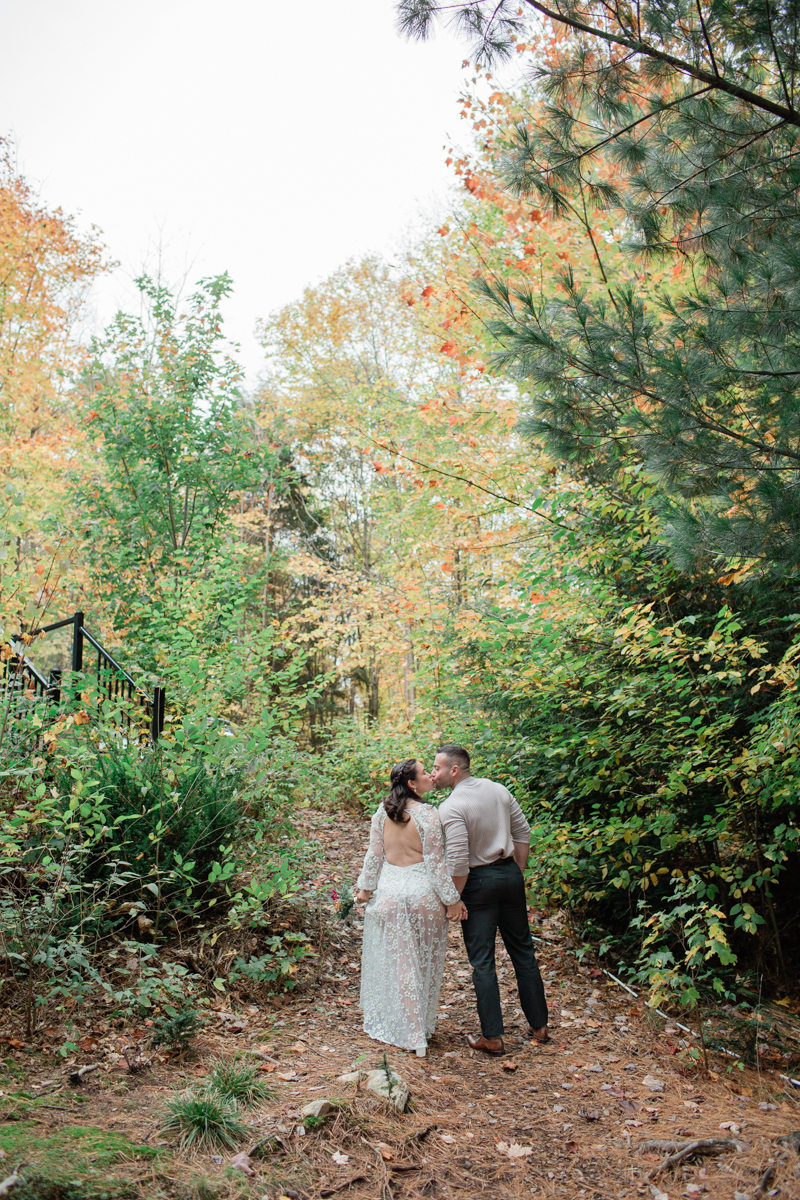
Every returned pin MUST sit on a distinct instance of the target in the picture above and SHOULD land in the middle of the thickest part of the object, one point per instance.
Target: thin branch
(789, 115)
(436, 470)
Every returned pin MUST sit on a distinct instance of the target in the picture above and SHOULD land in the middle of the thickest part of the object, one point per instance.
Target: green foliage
(238, 1080)
(204, 1121)
(138, 980)
(355, 760)
(644, 736)
(163, 398)
(275, 967)
(123, 840)
(174, 816)
(177, 1027)
(691, 141)
(190, 590)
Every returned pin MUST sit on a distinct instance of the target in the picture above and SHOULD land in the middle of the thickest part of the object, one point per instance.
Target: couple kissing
(426, 866)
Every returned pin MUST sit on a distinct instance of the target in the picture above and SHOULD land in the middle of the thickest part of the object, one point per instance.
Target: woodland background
(531, 486)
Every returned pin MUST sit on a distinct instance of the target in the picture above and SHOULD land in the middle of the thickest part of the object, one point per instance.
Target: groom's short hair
(456, 754)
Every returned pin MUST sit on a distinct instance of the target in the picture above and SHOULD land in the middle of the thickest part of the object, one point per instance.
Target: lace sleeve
(373, 859)
(430, 829)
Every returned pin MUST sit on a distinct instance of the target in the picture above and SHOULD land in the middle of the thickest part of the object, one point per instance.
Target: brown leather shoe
(535, 1036)
(493, 1046)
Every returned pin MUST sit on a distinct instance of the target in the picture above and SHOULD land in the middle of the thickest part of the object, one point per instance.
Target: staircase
(25, 689)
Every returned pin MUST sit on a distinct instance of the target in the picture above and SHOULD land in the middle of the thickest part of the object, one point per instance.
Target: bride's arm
(433, 850)
(373, 859)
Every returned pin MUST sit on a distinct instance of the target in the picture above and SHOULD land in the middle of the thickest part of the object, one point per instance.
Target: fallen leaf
(636, 1124)
(446, 1137)
(733, 1126)
(340, 1158)
(268, 1067)
(88, 1043)
(508, 1065)
(299, 1047)
(16, 1043)
(513, 1150)
(655, 1085)
(589, 1114)
(289, 1076)
(387, 1152)
(243, 1162)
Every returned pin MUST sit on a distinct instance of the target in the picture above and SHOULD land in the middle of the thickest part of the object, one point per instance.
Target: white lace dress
(405, 935)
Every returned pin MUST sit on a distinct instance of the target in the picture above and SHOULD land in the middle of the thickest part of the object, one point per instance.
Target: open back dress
(405, 935)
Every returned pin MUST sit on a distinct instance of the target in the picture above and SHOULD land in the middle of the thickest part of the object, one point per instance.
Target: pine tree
(694, 372)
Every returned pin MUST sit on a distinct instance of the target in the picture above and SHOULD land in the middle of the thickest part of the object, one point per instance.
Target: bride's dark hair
(395, 803)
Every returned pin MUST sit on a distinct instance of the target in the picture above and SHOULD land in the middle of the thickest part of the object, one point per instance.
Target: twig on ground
(420, 1135)
(701, 1146)
(77, 1077)
(765, 1182)
(660, 1146)
(341, 1187)
(138, 1064)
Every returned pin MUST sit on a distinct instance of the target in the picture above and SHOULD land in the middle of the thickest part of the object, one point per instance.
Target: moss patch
(70, 1163)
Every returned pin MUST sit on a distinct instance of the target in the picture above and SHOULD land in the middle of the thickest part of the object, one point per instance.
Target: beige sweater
(481, 822)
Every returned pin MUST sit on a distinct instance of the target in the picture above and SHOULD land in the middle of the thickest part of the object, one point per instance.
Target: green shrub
(171, 814)
(277, 965)
(176, 1029)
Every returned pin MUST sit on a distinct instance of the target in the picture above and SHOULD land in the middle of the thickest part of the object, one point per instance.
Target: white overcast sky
(273, 140)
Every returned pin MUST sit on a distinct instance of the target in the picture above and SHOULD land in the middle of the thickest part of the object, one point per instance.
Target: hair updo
(402, 774)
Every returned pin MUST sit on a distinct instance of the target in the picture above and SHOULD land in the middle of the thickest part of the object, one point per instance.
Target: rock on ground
(390, 1087)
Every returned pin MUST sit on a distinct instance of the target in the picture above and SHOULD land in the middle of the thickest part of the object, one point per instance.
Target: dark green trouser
(495, 899)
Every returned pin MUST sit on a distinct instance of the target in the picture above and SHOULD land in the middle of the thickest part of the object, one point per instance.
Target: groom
(488, 842)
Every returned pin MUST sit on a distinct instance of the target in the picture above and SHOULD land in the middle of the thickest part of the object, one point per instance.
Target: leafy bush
(656, 747)
(353, 766)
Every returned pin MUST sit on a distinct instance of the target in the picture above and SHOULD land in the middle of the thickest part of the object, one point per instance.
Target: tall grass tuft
(204, 1121)
(239, 1082)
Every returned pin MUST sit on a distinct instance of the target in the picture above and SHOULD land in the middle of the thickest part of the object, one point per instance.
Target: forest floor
(576, 1118)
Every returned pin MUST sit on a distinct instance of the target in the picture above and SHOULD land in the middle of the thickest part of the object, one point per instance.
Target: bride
(410, 898)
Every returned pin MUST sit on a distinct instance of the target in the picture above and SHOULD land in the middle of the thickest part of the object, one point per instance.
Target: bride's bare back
(401, 841)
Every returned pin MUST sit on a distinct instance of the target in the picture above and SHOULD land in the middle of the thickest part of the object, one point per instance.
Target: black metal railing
(27, 689)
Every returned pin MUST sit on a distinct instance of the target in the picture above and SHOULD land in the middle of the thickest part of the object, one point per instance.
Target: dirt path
(568, 1119)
